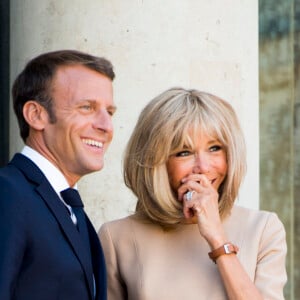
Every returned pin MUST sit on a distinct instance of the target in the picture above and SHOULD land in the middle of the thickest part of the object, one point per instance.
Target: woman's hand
(203, 207)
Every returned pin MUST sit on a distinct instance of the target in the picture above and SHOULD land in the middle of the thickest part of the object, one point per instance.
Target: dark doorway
(4, 81)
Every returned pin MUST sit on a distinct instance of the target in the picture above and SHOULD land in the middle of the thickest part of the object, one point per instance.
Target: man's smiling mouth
(93, 143)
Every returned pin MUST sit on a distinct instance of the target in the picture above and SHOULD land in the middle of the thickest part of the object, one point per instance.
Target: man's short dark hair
(34, 82)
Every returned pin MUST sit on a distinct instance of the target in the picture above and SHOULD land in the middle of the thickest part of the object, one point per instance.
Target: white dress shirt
(52, 173)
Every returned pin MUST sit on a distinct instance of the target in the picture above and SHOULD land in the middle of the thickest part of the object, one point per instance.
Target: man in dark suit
(49, 249)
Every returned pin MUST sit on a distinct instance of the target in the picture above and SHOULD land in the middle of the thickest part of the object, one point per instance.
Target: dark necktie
(72, 198)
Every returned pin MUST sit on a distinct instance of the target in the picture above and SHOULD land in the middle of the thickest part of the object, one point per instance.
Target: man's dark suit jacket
(41, 254)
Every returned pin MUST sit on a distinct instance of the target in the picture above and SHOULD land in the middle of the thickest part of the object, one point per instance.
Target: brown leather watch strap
(227, 248)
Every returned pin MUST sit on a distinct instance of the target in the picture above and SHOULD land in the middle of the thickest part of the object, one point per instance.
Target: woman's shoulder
(116, 224)
(254, 220)
(126, 225)
(128, 232)
(250, 214)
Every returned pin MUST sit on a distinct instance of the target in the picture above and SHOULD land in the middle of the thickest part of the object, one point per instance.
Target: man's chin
(94, 167)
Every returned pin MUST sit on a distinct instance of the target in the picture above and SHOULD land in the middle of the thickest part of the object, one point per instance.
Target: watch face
(227, 248)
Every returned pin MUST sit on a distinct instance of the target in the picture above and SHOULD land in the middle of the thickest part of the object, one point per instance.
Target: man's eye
(86, 107)
(111, 112)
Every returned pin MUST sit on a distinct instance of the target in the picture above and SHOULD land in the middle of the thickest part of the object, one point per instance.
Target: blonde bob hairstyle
(164, 126)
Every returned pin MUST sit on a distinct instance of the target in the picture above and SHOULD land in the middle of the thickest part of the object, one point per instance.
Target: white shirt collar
(52, 173)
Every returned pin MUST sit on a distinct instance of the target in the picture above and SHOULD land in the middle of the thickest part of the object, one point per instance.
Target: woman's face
(207, 157)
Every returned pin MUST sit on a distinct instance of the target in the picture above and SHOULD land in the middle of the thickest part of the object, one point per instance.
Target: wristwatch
(227, 248)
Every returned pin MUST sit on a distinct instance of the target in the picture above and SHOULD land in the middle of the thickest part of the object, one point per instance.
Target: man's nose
(103, 121)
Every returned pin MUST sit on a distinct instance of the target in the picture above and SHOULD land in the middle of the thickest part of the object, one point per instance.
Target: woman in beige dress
(187, 239)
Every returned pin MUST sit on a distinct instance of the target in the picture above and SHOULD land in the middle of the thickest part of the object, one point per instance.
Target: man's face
(83, 106)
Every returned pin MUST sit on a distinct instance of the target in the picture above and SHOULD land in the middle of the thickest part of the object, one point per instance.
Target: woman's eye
(215, 148)
(183, 153)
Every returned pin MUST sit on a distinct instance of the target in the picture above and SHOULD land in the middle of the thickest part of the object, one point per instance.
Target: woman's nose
(201, 164)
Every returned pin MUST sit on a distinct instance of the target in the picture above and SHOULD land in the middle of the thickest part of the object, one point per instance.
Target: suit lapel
(55, 205)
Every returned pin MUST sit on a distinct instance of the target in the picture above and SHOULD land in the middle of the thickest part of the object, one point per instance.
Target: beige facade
(208, 45)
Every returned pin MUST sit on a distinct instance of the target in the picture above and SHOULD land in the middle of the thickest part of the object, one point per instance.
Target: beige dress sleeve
(270, 275)
(116, 289)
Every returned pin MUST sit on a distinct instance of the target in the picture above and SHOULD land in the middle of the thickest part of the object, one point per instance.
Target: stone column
(154, 45)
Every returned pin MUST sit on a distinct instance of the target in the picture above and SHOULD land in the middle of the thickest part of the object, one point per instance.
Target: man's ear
(35, 114)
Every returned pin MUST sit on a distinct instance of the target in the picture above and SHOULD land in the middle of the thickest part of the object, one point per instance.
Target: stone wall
(208, 45)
